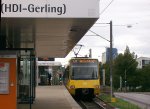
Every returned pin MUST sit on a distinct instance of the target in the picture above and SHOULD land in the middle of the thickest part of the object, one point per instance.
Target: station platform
(52, 97)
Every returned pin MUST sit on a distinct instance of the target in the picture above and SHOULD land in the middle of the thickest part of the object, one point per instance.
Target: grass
(120, 103)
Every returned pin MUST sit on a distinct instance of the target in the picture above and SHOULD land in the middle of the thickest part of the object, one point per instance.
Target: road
(140, 99)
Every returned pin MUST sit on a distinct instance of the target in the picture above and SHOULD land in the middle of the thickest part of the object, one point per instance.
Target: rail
(90, 104)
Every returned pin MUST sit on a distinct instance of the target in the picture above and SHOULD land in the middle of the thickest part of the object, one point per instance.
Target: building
(142, 62)
(106, 55)
(104, 58)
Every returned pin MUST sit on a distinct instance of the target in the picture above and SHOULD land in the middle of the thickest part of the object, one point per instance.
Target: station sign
(50, 8)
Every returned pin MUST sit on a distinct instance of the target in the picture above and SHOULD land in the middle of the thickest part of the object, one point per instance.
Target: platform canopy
(52, 27)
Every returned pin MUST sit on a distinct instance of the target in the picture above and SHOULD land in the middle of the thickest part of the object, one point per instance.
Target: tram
(82, 78)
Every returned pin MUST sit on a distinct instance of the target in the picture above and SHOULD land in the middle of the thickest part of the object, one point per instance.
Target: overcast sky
(135, 13)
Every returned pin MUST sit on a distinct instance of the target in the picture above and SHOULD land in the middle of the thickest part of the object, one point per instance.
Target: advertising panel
(4, 78)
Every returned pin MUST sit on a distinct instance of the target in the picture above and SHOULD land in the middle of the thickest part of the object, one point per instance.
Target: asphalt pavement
(140, 99)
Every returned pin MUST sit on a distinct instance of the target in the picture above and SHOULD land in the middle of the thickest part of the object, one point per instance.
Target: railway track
(91, 104)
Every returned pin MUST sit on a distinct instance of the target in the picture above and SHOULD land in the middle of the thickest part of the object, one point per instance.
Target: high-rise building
(106, 55)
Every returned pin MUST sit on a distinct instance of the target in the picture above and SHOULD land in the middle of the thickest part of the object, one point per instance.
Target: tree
(107, 73)
(143, 78)
(124, 66)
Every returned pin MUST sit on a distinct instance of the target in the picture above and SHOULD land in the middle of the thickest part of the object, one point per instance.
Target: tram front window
(84, 71)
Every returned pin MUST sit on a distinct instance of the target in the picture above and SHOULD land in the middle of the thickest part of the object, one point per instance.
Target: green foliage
(143, 78)
(105, 97)
(107, 73)
(125, 66)
(120, 103)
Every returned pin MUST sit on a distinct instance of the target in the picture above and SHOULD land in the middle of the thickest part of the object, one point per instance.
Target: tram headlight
(72, 87)
(97, 86)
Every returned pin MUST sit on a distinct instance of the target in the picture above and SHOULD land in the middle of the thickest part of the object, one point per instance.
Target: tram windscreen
(84, 69)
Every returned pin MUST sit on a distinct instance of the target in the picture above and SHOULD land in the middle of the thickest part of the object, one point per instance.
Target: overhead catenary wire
(99, 35)
(106, 7)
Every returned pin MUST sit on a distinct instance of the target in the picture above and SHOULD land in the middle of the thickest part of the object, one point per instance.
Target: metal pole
(125, 81)
(111, 80)
(103, 77)
(30, 92)
(120, 83)
(90, 53)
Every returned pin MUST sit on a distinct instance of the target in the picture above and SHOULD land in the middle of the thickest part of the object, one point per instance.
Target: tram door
(8, 85)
